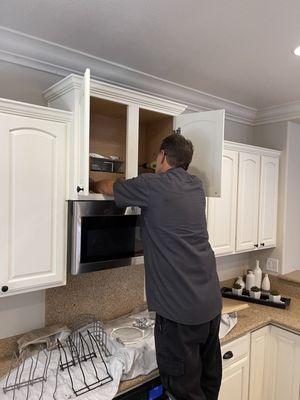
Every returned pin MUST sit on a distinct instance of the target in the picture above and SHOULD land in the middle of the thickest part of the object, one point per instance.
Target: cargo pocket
(170, 365)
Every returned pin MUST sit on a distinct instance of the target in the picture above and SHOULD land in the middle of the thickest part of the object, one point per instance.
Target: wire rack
(84, 355)
(24, 373)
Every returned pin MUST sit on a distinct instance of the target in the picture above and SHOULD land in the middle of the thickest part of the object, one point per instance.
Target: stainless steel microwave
(101, 236)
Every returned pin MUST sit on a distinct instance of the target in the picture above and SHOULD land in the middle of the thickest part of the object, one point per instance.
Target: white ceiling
(236, 49)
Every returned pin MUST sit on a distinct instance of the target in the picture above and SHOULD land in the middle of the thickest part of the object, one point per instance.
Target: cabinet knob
(262, 244)
(4, 289)
(228, 355)
(79, 189)
(256, 245)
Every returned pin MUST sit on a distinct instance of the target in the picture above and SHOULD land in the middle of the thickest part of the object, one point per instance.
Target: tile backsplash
(107, 294)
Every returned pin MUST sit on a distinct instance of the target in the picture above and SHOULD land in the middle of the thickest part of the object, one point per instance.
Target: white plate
(127, 334)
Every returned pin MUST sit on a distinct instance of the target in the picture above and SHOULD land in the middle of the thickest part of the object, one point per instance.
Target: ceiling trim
(29, 51)
(279, 113)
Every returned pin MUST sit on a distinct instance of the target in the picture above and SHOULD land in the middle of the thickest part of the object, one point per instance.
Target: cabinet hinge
(177, 131)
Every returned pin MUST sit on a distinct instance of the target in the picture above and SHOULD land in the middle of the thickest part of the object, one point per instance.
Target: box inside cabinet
(153, 128)
(107, 138)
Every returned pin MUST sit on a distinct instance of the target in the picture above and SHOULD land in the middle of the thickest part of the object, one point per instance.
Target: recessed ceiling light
(297, 51)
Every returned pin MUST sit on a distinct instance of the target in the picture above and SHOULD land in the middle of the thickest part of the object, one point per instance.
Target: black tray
(264, 300)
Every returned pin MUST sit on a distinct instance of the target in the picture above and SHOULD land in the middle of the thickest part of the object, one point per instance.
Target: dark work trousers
(189, 358)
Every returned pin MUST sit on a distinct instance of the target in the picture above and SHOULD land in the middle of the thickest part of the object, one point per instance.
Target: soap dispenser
(258, 275)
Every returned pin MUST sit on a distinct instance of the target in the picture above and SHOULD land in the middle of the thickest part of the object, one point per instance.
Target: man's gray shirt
(181, 279)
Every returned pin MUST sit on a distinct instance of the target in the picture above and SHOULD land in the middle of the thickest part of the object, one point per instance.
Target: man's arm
(131, 192)
(105, 186)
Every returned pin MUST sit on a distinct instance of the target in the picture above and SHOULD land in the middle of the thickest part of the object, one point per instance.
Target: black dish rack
(264, 299)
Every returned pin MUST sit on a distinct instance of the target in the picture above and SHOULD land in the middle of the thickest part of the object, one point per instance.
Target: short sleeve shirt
(180, 268)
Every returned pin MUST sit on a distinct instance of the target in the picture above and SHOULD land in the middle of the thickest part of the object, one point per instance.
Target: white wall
(24, 312)
(291, 254)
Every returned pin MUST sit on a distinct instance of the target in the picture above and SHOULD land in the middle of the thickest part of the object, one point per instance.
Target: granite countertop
(253, 317)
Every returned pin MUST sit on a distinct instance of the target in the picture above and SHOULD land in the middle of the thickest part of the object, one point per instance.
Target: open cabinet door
(84, 135)
(206, 131)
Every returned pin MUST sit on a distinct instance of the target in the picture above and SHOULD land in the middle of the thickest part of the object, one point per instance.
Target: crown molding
(31, 110)
(29, 51)
(279, 113)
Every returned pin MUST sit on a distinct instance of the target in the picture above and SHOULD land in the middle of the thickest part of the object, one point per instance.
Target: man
(181, 280)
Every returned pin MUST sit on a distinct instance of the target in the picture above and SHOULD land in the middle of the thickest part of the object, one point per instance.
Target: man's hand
(105, 186)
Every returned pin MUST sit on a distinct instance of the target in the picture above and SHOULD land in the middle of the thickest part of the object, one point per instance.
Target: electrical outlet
(272, 264)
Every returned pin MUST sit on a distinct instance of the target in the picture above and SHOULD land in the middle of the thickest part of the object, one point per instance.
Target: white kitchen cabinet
(269, 168)
(33, 165)
(257, 198)
(248, 201)
(235, 380)
(221, 215)
(284, 365)
(121, 120)
(259, 369)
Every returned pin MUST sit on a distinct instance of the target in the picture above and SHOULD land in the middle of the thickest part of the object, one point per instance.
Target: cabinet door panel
(284, 364)
(33, 172)
(259, 368)
(206, 131)
(248, 201)
(222, 211)
(268, 201)
(235, 381)
(84, 136)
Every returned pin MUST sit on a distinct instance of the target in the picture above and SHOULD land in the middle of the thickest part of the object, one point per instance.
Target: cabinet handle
(262, 244)
(228, 355)
(4, 289)
(79, 189)
(256, 245)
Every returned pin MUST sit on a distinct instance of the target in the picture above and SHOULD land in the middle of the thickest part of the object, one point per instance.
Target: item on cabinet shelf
(275, 296)
(255, 292)
(266, 285)
(45, 337)
(127, 335)
(241, 282)
(237, 289)
(264, 298)
(108, 164)
(88, 322)
(258, 275)
(24, 373)
(250, 280)
(81, 350)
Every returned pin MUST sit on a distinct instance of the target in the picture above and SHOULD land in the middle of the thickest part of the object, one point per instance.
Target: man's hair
(178, 150)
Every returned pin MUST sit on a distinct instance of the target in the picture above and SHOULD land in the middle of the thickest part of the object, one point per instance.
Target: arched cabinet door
(33, 208)
(206, 131)
(221, 216)
(248, 201)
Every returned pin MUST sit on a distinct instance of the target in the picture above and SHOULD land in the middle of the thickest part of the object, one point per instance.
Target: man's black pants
(189, 358)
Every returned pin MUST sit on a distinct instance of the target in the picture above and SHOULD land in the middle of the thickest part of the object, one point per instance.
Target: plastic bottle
(250, 280)
(258, 275)
(266, 283)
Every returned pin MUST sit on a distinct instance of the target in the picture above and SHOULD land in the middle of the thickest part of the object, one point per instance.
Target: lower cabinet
(235, 358)
(263, 365)
(284, 365)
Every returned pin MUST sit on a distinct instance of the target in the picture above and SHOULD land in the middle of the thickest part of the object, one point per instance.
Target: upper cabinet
(33, 165)
(245, 217)
(269, 168)
(221, 217)
(248, 201)
(117, 132)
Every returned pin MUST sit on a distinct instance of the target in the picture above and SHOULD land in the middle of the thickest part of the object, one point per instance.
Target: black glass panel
(110, 238)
